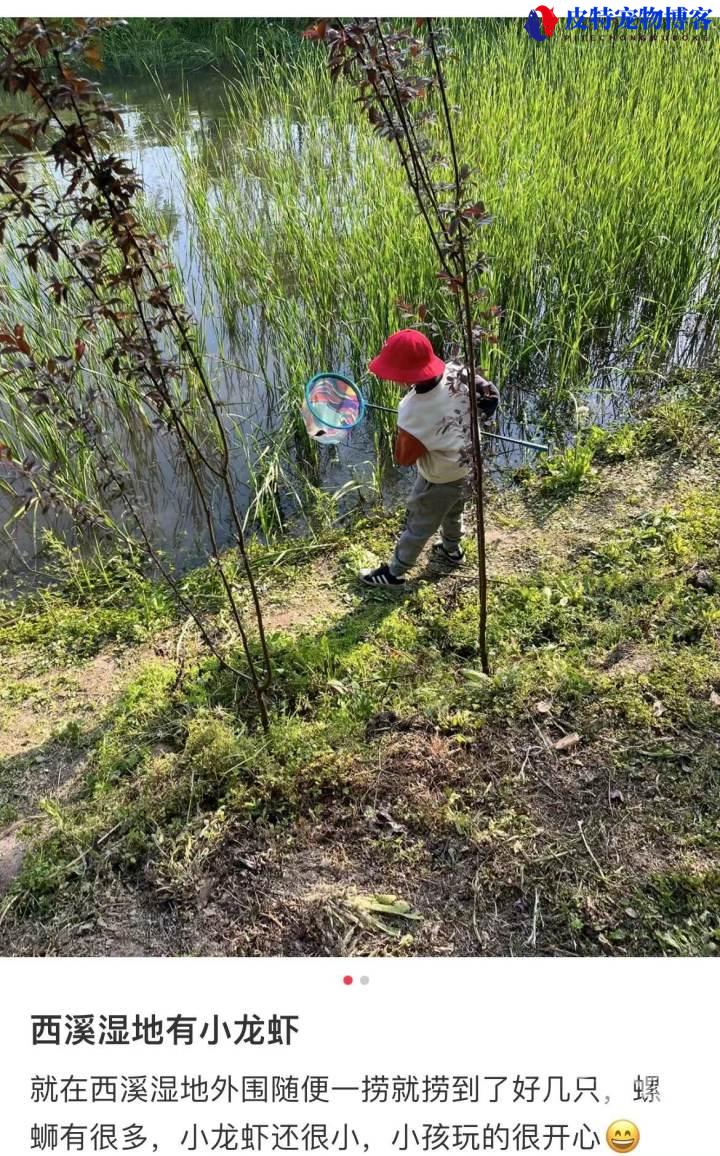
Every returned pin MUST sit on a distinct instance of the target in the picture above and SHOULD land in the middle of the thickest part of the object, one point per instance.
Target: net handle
(336, 377)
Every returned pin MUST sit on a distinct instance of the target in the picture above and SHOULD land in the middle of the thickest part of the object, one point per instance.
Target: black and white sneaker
(380, 576)
(450, 557)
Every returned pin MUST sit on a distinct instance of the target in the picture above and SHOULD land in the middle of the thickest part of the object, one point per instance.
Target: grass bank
(185, 44)
(402, 803)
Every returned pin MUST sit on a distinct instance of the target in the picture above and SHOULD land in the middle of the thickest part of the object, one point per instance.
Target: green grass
(308, 238)
(157, 45)
(88, 601)
(677, 423)
(604, 233)
(617, 645)
(603, 220)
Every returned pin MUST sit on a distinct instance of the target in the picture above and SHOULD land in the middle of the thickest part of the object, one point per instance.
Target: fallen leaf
(715, 698)
(392, 824)
(543, 707)
(658, 708)
(567, 741)
(374, 910)
(617, 796)
(337, 686)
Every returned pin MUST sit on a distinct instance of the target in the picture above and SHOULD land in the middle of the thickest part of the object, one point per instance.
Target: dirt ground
(307, 890)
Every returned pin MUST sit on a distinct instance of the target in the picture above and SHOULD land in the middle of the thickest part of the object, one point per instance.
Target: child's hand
(482, 385)
(488, 397)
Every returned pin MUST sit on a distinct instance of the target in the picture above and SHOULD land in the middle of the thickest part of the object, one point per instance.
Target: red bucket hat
(407, 357)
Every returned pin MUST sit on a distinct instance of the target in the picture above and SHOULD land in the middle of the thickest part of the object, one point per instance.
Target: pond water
(170, 508)
(170, 511)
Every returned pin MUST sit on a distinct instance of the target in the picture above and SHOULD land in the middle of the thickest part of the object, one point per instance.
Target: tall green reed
(598, 161)
(597, 158)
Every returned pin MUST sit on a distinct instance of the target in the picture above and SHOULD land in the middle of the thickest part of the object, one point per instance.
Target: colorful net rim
(351, 393)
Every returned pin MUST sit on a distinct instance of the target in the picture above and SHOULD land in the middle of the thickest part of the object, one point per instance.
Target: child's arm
(407, 448)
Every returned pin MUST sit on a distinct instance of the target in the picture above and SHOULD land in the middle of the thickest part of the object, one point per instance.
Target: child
(433, 433)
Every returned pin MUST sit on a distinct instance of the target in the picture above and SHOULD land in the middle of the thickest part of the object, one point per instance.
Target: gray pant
(432, 506)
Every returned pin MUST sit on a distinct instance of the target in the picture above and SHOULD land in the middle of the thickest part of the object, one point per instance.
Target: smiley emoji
(622, 1136)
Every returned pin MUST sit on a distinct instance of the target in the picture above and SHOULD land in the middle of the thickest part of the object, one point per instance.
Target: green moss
(68, 632)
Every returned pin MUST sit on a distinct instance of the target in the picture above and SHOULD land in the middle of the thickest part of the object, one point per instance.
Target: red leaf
(316, 31)
(20, 340)
(93, 55)
(21, 139)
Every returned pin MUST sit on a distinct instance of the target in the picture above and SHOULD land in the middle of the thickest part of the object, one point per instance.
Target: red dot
(347, 979)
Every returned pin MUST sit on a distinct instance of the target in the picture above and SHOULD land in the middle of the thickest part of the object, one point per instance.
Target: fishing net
(333, 406)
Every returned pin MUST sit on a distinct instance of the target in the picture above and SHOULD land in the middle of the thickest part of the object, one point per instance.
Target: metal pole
(498, 437)
(516, 441)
